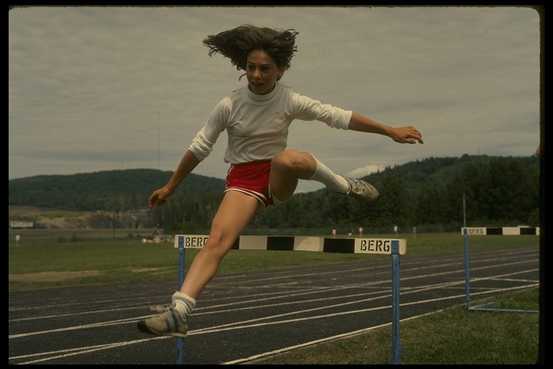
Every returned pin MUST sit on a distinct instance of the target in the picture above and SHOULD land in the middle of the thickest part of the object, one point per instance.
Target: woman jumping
(262, 170)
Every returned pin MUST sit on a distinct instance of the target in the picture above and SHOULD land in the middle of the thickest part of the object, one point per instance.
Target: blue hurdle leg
(467, 268)
(180, 340)
(396, 347)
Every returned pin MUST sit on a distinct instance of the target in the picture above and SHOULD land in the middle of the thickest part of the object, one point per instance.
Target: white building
(19, 224)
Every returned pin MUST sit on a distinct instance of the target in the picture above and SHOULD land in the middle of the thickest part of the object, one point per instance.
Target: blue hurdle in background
(180, 340)
(484, 231)
(381, 246)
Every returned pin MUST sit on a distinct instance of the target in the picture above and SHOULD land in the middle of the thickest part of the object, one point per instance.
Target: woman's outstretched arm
(363, 123)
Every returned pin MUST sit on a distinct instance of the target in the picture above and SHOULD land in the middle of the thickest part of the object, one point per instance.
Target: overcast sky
(90, 88)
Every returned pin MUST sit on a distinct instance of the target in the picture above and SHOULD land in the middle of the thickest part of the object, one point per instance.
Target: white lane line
(42, 317)
(142, 306)
(125, 321)
(506, 275)
(141, 297)
(83, 326)
(80, 349)
(88, 349)
(42, 307)
(280, 294)
(204, 313)
(270, 317)
(385, 266)
(372, 268)
(449, 284)
(205, 331)
(322, 340)
(284, 293)
(296, 312)
(359, 285)
(405, 291)
(515, 280)
(327, 298)
(209, 330)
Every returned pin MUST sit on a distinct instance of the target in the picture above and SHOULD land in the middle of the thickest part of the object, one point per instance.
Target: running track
(244, 316)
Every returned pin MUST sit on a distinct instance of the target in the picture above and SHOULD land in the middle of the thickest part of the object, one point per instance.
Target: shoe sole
(363, 198)
(143, 328)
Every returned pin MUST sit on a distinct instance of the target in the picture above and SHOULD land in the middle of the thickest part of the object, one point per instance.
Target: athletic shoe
(170, 323)
(361, 190)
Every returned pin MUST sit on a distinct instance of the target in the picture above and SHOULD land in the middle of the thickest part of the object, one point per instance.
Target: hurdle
(483, 231)
(379, 246)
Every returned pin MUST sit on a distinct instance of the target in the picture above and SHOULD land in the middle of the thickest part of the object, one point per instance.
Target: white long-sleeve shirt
(257, 125)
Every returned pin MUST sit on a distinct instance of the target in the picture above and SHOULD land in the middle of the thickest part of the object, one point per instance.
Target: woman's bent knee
(282, 161)
(293, 161)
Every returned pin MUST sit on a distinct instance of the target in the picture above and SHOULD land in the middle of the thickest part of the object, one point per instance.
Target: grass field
(452, 336)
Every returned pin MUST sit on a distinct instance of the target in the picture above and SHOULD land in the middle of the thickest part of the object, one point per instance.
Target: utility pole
(158, 147)
(464, 210)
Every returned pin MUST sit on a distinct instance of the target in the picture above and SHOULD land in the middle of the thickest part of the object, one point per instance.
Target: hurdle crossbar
(379, 246)
(482, 231)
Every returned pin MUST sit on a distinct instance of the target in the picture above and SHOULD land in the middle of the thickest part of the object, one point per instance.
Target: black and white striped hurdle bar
(501, 231)
(380, 246)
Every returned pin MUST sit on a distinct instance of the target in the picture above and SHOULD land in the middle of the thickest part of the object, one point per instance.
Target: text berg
(195, 242)
(380, 246)
(475, 231)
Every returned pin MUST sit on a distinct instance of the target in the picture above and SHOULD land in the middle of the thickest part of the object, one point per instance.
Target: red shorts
(252, 179)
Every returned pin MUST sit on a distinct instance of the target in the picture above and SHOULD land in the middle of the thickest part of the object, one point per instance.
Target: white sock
(183, 303)
(331, 180)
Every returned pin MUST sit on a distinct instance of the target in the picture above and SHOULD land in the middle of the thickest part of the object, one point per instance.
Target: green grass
(117, 260)
(453, 336)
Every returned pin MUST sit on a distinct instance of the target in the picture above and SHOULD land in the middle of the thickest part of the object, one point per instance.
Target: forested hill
(499, 190)
(106, 190)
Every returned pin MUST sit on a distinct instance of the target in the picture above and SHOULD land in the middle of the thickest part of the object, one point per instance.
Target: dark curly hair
(237, 43)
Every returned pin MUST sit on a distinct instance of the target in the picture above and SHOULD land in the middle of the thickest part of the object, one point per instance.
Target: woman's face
(262, 72)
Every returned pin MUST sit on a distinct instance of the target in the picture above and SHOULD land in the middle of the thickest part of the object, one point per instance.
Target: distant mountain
(105, 190)
(418, 174)
(499, 190)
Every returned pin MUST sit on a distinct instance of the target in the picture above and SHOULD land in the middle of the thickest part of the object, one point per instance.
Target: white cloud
(366, 170)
